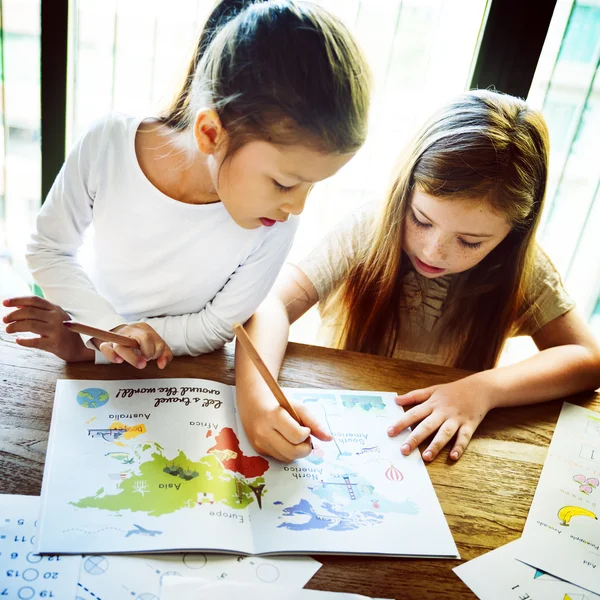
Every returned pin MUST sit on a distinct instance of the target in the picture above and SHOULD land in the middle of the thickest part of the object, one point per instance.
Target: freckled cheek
(466, 258)
(414, 238)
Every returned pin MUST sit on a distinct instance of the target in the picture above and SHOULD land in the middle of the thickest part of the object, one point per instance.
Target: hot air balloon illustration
(393, 474)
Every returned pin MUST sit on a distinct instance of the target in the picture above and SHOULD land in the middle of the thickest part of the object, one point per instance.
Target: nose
(435, 251)
(295, 204)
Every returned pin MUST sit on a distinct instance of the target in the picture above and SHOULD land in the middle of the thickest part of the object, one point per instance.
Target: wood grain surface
(485, 495)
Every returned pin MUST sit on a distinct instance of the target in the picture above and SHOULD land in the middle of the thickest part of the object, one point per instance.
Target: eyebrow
(294, 176)
(480, 235)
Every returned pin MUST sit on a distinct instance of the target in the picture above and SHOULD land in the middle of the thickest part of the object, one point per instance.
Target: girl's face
(444, 236)
(263, 183)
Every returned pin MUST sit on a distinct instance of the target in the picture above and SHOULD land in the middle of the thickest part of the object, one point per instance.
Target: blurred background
(130, 55)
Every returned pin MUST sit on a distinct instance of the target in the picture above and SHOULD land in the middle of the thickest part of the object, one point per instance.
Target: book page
(146, 465)
(562, 532)
(356, 494)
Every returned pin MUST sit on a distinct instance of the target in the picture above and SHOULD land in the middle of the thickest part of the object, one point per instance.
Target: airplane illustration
(142, 531)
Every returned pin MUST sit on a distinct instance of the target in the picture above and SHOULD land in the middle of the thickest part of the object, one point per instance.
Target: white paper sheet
(113, 577)
(25, 575)
(176, 588)
(562, 532)
(498, 575)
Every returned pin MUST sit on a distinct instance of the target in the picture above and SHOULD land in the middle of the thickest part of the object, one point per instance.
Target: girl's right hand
(152, 347)
(273, 431)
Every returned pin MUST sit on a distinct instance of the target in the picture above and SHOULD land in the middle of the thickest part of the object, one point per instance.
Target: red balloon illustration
(394, 474)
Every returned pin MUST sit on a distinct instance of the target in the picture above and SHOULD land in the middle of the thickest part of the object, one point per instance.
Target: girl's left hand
(449, 409)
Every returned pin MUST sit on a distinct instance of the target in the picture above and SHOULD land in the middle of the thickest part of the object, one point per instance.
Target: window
(19, 126)
(566, 87)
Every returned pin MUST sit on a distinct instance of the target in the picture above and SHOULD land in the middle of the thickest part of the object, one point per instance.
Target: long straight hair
(281, 71)
(484, 146)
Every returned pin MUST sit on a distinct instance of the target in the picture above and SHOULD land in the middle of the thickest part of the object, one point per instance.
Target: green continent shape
(212, 479)
(87, 395)
(103, 397)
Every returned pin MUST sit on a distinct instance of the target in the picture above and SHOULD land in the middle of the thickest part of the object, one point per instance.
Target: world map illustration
(162, 485)
(344, 502)
(92, 397)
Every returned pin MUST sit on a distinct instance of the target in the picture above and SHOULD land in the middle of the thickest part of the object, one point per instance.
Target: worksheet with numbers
(25, 575)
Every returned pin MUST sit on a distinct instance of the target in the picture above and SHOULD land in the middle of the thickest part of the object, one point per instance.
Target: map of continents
(162, 485)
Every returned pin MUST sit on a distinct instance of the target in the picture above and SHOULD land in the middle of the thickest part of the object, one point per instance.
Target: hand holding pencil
(269, 432)
(135, 343)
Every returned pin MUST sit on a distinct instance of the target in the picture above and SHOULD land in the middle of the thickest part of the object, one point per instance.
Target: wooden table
(485, 495)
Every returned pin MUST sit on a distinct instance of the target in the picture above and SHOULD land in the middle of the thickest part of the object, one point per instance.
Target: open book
(164, 465)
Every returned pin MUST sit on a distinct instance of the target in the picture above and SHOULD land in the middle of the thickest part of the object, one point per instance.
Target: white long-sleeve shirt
(188, 270)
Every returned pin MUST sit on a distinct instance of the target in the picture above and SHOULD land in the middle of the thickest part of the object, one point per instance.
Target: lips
(267, 222)
(427, 268)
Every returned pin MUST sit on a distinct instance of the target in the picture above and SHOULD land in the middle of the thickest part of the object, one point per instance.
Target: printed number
(20, 539)
(21, 521)
(56, 558)
(50, 575)
(14, 555)
(46, 594)
(4, 592)
(11, 573)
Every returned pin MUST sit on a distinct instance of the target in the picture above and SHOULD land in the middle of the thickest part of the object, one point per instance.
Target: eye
(471, 245)
(282, 188)
(416, 221)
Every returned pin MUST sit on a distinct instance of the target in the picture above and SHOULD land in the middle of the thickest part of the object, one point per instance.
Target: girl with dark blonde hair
(194, 211)
(443, 272)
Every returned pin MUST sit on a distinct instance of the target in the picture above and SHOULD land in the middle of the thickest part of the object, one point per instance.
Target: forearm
(269, 330)
(550, 374)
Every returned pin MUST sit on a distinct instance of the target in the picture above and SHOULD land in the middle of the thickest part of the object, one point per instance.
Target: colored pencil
(249, 347)
(101, 334)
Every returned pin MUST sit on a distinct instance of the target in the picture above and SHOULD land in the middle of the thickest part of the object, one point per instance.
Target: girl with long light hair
(443, 272)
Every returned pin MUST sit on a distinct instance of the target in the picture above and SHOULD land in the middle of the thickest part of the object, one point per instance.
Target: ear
(209, 131)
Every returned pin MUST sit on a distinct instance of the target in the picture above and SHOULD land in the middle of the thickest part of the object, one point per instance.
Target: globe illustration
(92, 397)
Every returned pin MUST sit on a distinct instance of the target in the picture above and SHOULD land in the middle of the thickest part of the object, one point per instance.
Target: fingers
(151, 346)
(287, 426)
(282, 450)
(415, 397)
(34, 301)
(421, 432)
(273, 431)
(165, 358)
(442, 437)
(276, 445)
(38, 327)
(465, 433)
(130, 355)
(107, 349)
(23, 314)
(31, 342)
(316, 427)
(410, 417)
